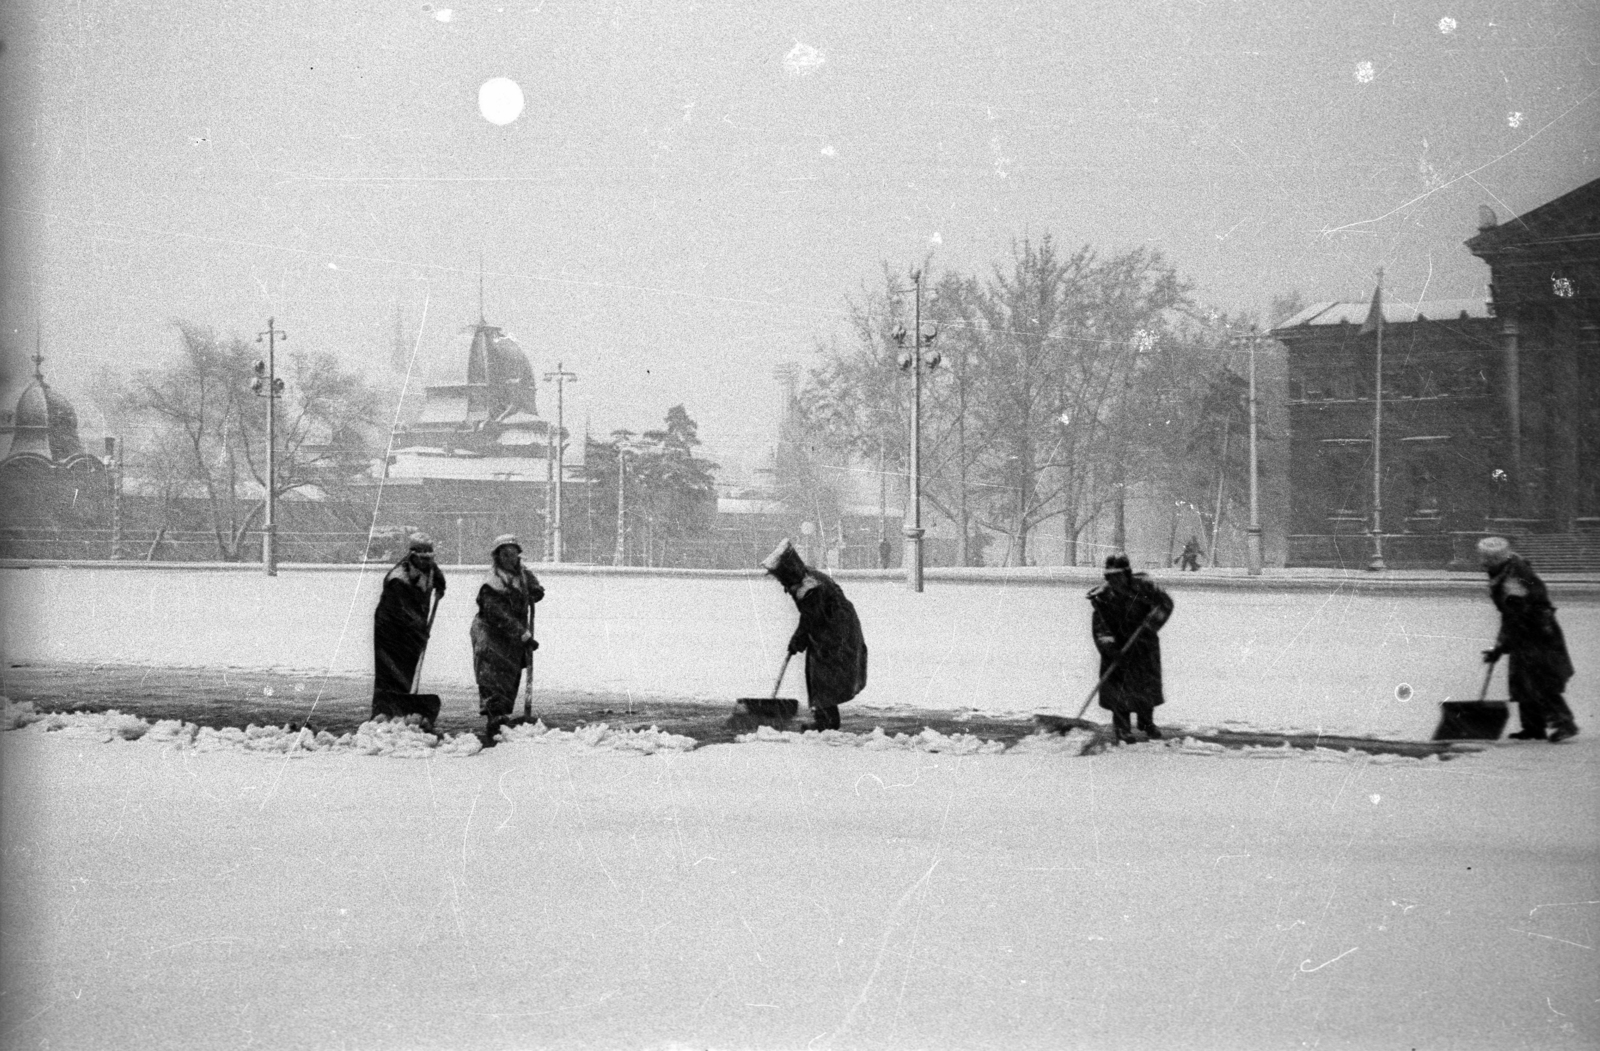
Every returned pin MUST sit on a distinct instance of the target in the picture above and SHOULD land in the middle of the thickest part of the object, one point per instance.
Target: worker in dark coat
(1190, 557)
(829, 634)
(1121, 605)
(400, 630)
(502, 632)
(1530, 636)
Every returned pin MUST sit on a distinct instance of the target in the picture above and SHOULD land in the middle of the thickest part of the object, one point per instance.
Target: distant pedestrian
(1530, 636)
(829, 633)
(502, 632)
(1190, 558)
(400, 629)
(1129, 611)
(885, 552)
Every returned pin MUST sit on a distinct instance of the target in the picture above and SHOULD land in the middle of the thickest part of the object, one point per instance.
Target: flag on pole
(1374, 313)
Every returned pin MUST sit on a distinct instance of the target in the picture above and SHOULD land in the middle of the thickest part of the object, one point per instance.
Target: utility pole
(1376, 314)
(561, 377)
(619, 557)
(114, 479)
(1253, 535)
(269, 386)
(920, 356)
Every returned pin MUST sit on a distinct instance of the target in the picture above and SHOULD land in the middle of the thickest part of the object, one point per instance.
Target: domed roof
(45, 425)
(483, 355)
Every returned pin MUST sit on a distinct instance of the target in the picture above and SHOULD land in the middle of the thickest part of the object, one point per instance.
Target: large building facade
(1545, 290)
(1490, 408)
(478, 460)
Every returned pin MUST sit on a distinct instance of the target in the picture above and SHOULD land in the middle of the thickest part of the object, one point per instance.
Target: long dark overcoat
(400, 628)
(829, 633)
(1118, 612)
(498, 652)
(1529, 634)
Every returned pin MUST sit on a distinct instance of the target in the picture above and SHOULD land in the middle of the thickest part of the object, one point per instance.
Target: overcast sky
(693, 189)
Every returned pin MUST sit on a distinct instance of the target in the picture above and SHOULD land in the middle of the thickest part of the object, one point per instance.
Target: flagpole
(1377, 437)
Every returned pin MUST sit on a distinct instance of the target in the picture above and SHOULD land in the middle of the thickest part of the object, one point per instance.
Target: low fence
(723, 548)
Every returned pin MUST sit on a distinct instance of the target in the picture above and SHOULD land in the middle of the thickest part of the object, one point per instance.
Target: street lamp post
(114, 480)
(1253, 535)
(920, 356)
(268, 385)
(619, 557)
(561, 377)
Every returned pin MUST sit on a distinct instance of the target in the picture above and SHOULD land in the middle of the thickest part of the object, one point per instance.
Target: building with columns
(1545, 290)
(1491, 408)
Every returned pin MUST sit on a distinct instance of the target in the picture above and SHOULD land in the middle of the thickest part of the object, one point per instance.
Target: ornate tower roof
(44, 428)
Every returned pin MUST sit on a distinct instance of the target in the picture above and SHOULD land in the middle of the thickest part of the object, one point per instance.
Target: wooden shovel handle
(784, 667)
(433, 607)
(1486, 677)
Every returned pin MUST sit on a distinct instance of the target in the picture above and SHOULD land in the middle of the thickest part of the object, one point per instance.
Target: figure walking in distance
(1530, 636)
(502, 632)
(829, 633)
(1189, 558)
(1129, 611)
(400, 629)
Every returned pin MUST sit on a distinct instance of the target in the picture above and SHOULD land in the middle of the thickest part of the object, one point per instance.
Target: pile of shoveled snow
(598, 736)
(929, 740)
(404, 739)
(401, 739)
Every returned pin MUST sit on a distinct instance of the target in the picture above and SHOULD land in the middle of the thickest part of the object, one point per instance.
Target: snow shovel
(1061, 724)
(1478, 720)
(398, 705)
(771, 710)
(426, 705)
(527, 689)
(527, 685)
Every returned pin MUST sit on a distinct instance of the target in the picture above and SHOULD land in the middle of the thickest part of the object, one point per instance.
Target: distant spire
(38, 350)
(481, 316)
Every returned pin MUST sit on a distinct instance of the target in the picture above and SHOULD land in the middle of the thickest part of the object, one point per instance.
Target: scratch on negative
(1557, 904)
(1563, 941)
(883, 948)
(1307, 970)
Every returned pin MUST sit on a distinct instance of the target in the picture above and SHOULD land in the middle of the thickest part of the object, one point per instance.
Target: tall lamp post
(1253, 534)
(268, 385)
(561, 377)
(114, 480)
(1375, 322)
(619, 557)
(920, 356)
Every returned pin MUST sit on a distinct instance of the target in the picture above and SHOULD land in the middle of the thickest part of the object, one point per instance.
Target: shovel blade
(1471, 720)
(770, 707)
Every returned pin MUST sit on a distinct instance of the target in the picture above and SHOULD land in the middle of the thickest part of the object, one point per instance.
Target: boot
(1564, 731)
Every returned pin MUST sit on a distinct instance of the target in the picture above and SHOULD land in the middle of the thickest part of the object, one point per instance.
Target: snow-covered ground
(1338, 656)
(172, 886)
(598, 890)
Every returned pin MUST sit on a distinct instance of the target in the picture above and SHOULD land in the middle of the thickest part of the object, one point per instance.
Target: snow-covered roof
(408, 464)
(1395, 312)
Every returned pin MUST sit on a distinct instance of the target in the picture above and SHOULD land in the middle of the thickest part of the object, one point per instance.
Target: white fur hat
(771, 561)
(1494, 548)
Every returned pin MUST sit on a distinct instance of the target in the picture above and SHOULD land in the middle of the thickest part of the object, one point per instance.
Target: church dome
(45, 426)
(485, 356)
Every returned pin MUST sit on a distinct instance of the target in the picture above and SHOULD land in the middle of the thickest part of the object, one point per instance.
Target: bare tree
(204, 431)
